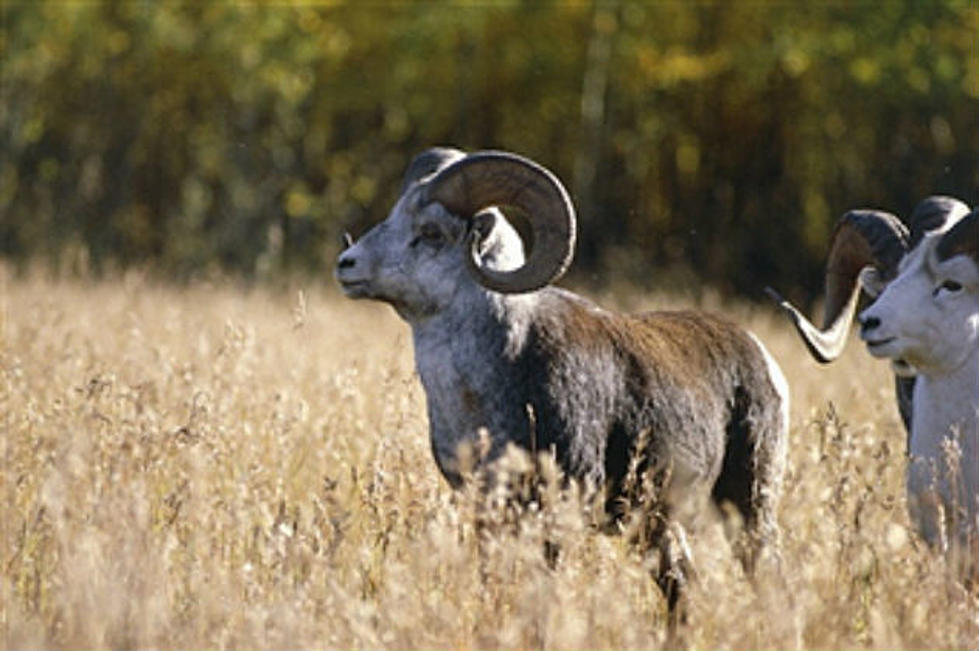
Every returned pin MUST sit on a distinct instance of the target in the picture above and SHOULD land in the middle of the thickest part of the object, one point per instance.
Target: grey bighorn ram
(924, 282)
(695, 400)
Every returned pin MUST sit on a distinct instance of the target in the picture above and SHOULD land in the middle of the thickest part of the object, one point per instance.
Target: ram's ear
(872, 281)
(480, 229)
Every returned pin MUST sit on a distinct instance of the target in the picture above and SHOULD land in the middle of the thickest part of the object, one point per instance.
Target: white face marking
(928, 316)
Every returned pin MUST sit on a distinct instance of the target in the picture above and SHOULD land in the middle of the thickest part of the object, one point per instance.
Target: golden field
(216, 466)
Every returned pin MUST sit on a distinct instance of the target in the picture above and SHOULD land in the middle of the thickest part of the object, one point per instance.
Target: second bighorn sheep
(925, 318)
(693, 400)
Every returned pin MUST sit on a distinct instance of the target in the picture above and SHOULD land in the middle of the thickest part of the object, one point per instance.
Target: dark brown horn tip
(773, 294)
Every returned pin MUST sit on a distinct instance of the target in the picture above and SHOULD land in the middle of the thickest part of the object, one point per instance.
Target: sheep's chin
(902, 368)
(356, 289)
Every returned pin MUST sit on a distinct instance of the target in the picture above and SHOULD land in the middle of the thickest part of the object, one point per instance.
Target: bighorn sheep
(499, 351)
(925, 319)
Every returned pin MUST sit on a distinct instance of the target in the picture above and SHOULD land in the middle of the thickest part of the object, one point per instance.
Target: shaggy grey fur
(697, 398)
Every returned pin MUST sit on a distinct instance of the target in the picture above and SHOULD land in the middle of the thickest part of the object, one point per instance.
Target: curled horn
(861, 238)
(961, 239)
(428, 162)
(492, 178)
(933, 213)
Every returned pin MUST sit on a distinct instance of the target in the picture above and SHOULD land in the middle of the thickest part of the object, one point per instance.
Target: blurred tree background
(702, 142)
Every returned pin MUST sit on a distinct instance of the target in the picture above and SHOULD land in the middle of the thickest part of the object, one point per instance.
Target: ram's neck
(947, 399)
(465, 357)
(946, 405)
(478, 329)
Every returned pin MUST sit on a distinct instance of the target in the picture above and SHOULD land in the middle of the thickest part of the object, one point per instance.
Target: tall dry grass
(216, 467)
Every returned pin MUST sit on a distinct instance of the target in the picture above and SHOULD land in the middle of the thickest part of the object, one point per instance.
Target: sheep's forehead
(961, 268)
(916, 259)
(399, 222)
(412, 209)
(405, 211)
(924, 259)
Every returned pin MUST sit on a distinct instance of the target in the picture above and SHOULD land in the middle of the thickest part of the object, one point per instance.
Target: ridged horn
(933, 213)
(427, 163)
(493, 178)
(861, 238)
(961, 239)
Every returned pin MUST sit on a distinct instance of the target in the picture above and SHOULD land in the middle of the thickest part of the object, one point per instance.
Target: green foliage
(720, 138)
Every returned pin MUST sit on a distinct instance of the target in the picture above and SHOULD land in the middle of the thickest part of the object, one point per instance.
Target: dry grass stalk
(217, 468)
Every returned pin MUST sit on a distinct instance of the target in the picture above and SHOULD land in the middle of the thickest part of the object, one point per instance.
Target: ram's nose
(868, 323)
(346, 262)
(350, 273)
(347, 259)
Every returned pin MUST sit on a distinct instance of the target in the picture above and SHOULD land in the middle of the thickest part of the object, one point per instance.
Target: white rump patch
(778, 379)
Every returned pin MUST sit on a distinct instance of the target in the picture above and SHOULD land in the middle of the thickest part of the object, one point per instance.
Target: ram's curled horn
(428, 162)
(932, 213)
(861, 238)
(961, 239)
(484, 179)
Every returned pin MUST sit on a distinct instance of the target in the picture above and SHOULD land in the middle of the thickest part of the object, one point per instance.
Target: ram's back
(673, 382)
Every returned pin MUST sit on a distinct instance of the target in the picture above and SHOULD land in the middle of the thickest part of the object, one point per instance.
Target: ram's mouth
(355, 288)
(877, 343)
(885, 347)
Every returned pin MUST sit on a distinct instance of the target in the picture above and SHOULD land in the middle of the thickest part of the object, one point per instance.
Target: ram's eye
(431, 234)
(949, 286)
